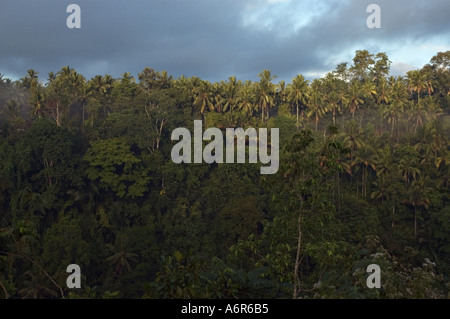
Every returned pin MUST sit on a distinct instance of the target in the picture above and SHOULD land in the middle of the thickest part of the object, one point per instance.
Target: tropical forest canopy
(86, 178)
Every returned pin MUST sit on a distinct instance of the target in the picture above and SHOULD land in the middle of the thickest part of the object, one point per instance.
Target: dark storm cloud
(212, 39)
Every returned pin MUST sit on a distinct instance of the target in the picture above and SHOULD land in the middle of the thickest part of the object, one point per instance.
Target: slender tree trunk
(56, 117)
(297, 116)
(37, 265)
(393, 213)
(4, 290)
(297, 257)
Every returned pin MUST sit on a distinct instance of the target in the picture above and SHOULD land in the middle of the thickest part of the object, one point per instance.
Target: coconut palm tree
(382, 92)
(419, 197)
(122, 260)
(398, 100)
(203, 97)
(246, 105)
(36, 288)
(364, 158)
(218, 100)
(315, 106)
(354, 100)
(298, 92)
(353, 138)
(409, 168)
(30, 79)
(232, 87)
(381, 191)
(264, 93)
(164, 80)
(416, 82)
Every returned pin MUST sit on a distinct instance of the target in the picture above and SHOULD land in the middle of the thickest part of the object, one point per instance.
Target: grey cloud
(206, 38)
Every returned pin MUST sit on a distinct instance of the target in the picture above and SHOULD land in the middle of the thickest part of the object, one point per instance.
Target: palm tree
(425, 143)
(383, 91)
(65, 71)
(98, 90)
(430, 87)
(282, 91)
(398, 100)
(51, 78)
(182, 83)
(36, 287)
(364, 157)
(382, 99)
(164, 79)
(264, 94)
(315, 105)
(122, 261)
(419, 196)
(418, 111)
(409, 168)
(392, 79)
(384, 190)
(334, 104)
(353, 139)
(384, 162)
(416, 82)
(37, 100)
(218, 99)
(246, 105)
(354, 97)
(298, 93)
(381, 191)
(202, 97)
(232, 88)
(369, 89)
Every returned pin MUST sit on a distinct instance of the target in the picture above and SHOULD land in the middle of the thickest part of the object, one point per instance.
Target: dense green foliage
(86, 177)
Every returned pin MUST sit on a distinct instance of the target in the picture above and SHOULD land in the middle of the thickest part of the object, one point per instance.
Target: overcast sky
(214, 39)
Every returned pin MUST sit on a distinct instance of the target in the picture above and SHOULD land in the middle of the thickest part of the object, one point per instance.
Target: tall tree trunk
(393, 213)
(57, 115)
(297, 257)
